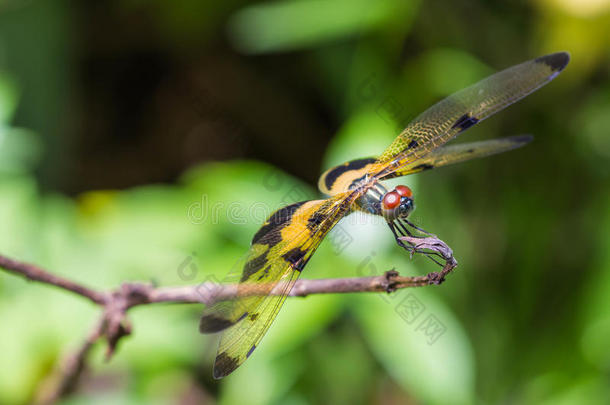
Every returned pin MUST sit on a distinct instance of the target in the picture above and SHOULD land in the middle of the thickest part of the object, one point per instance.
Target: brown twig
(70, 370)
(35, 273)
(434, 244)
(113, 324)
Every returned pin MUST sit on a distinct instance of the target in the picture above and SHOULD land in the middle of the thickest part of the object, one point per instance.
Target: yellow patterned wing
(463, 109)
(279, 252)
(340, 178)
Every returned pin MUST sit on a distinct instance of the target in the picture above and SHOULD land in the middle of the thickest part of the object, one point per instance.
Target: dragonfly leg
(412, 225)
(400, 243)
(413, 248)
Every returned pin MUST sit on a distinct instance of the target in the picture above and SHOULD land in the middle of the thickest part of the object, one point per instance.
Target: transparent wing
(448, 155)
(344, 177)
(279, 252)
(460, 111)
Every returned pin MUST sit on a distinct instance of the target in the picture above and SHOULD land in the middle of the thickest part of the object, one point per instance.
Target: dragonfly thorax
(378, 200)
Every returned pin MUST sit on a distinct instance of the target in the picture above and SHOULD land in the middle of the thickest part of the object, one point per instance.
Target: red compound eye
(391, 200)
(404, 191)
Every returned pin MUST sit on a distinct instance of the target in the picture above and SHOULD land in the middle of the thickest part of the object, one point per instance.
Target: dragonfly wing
(339, 178)
(448, 155)
(343, 177)
(279, 252)
(463, 109)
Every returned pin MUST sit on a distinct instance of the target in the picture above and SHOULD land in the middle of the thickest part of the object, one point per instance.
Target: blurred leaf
(595, 306)
(262, 381)
(170, 332)
(585, 34)
(8, 98)
(427, 351)
(115, 398)
(435, 65)
(237, 197)
(20, 150)
(300, 320)
(296, 24)
(36, 337)
(588, 390)
(583, 8)
(142, 233)
(364, 135)
(18, 211)
(590, 131)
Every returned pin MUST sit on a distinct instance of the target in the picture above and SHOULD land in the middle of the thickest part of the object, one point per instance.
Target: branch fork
(113, 323)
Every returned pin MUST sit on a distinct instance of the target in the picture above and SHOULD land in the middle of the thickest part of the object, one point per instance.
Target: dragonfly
(284, 244)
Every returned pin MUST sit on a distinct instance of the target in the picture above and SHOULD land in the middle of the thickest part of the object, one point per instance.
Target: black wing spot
(413, 144)
(315, 220)
(253, 317)
(224, 365)
(521, 139)
(295, 258)
(250, 351)
(264, 273)
(270, 234)
(357, 182)
(334, 174)
(556, 61)
(423, 166)
(464, 122)
(213, 323)
(253, 266)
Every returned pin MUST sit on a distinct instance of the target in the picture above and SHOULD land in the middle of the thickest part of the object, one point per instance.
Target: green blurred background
(147, 140)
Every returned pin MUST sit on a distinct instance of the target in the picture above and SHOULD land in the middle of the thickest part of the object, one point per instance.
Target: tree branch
(113, 324)
(70, 370)
(35, 273)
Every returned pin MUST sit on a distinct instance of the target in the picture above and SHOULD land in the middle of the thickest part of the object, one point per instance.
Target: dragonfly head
(398, 203)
